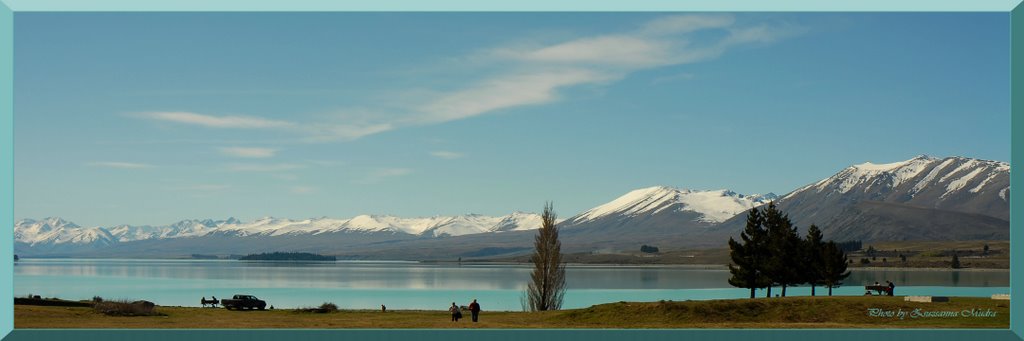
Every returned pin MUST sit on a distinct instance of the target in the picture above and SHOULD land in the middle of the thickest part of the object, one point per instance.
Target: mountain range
(924, 198)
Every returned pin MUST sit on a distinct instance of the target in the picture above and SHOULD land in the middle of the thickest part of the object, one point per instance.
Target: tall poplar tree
(547, 282)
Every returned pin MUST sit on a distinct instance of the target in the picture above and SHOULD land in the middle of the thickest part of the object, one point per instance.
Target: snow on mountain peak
(713, 206)
(951, 174)
(894, 173)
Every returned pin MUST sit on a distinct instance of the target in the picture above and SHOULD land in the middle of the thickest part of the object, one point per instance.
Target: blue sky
(150, 118)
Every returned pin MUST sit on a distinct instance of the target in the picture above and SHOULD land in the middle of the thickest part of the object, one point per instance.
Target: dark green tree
(834, 263)
(547, 282)
(784, 246)
(956, 261)
(750, 256)
(813, 257)
(984, 251)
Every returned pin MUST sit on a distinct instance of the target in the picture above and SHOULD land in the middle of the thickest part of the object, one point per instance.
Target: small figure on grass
(456, 313)
(474, 308)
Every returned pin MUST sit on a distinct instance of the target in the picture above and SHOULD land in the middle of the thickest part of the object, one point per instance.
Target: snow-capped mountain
(923, 198)
(710, 206)
(53, 231)
(50, 232)
(518, 221)
(29, 230)
(655, 214)
(953, 183)
(184, 228)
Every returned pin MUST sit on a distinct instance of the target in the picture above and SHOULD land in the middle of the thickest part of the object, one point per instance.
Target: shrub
(97, 299)
(327, 307)
(126, 308)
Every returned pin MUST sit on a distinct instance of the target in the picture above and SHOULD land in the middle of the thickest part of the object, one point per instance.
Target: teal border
(520, 5)
(1016, 154)
(7, 165)
(7, 16)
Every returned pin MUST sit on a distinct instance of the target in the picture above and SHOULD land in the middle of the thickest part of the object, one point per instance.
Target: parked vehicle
(243, 302)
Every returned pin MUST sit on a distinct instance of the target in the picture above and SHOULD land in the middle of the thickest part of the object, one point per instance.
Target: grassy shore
(788, 312)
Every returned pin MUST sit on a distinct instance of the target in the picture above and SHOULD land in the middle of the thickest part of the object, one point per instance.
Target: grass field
(788, 312)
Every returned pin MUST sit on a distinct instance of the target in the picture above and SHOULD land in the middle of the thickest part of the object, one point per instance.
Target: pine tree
(813, 257)
(547, 282)
(748, 258)
(833, 266)
(956, 261)
(784, 247)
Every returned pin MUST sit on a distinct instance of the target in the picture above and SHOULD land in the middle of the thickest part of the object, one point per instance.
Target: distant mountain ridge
(923, 198)
(56, 233)
(868, 201)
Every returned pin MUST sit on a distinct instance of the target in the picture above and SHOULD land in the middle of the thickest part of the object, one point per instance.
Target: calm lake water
(411, 285)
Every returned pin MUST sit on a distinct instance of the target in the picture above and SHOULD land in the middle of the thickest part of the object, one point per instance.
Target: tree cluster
(292, 256)
(648, 249)
(770, 253)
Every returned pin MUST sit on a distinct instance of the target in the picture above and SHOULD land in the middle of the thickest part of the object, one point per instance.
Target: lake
(412, 285)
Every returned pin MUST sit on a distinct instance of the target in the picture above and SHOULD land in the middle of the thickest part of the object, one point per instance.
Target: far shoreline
(487, 262)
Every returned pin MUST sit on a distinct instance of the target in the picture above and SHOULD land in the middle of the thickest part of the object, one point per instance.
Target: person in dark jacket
(456, 314)
(474, 308)
(892, 287)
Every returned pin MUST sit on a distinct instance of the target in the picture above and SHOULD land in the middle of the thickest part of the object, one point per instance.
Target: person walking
(892, 287)
(474, 308)
(456, 314)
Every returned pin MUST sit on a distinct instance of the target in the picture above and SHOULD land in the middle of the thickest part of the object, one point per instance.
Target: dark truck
(243, 302)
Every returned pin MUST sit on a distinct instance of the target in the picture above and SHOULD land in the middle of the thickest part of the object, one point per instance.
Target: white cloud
(120, 165)
(447, 155)
(344, 132)
(256, 167)
(610, 50)
(522, 74)
(302, 190)
(248, 152)
(504, 92)
(239, 122)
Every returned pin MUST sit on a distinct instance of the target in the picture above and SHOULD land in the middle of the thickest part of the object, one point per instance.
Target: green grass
(788, 312)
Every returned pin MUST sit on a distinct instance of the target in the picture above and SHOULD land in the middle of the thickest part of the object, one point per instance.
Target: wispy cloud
(527, 88)
(248, 152)
(379, 175)
(120, 165)
(523, 74)
(447, 155)
(343, 132)
(258, 167)
(237, 122)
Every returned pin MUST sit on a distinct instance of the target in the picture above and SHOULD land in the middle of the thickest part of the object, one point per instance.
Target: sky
(151, 118)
